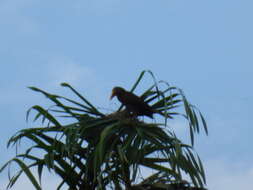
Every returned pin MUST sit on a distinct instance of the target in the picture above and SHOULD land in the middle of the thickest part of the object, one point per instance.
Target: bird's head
(117, 91)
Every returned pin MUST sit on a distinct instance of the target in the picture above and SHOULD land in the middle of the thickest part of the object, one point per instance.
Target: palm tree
(109, 151)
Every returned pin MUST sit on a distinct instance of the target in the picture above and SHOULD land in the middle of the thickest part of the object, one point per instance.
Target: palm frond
(100, 151)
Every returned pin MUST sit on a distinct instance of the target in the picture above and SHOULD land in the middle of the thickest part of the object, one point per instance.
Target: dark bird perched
(133, 103)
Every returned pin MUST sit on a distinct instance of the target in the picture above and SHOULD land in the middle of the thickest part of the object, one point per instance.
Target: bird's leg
(134, 115)
(130, 113)
(126, 113)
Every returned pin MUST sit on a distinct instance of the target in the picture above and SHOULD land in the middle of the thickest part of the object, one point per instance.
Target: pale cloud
(13, 15)
(228, 175)
(179, 125)
(98, 7)
(80, 76)
(12, 7)
(62, 69)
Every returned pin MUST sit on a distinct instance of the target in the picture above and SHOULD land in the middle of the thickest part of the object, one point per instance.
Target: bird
(133, 103)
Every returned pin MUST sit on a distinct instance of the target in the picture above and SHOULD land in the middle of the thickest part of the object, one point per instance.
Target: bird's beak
(112, 95)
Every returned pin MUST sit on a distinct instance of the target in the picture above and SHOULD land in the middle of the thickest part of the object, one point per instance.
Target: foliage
(99, 151)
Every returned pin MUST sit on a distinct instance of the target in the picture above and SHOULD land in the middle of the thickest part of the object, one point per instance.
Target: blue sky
(202, 46)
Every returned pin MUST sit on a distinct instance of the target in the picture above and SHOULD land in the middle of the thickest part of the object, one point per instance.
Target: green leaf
(82, 98)
(28, 173)
(40, 169)
(161, 169)
(191, 134)
(47, 115)
(137, 81)
(102, 142)
(204, 123)
(14, 178)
